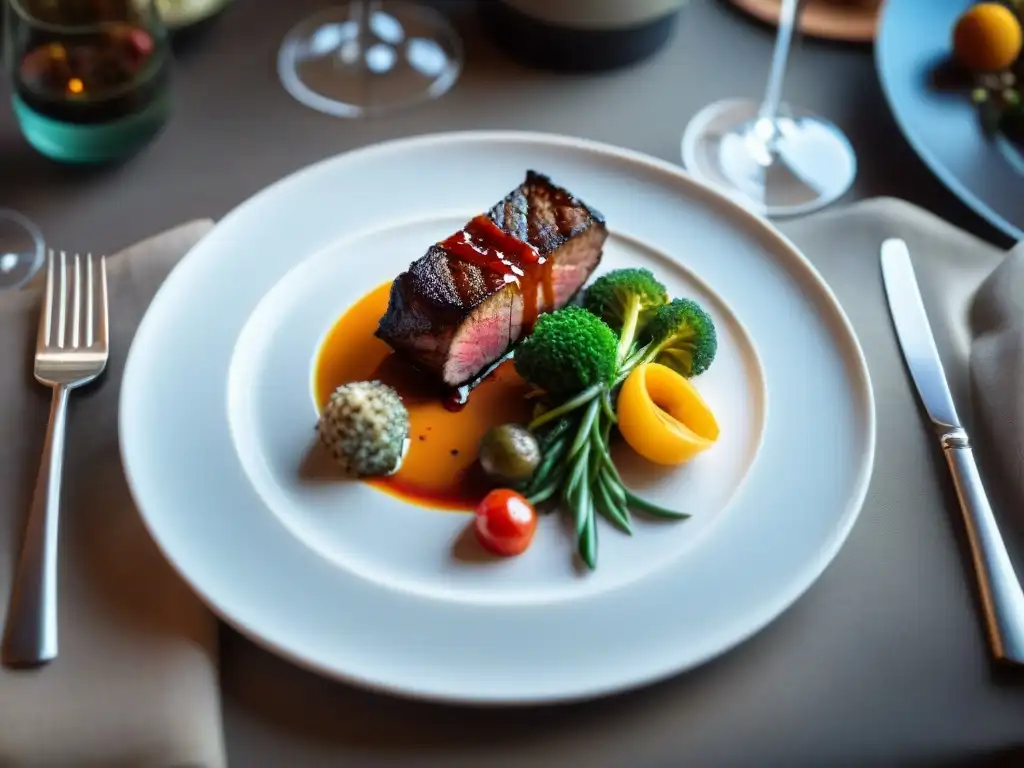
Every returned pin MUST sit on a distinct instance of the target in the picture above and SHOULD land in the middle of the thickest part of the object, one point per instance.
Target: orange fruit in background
(987, 38)
(663, 417)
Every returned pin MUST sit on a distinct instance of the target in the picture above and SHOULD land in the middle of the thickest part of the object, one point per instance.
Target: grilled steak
(462, 305)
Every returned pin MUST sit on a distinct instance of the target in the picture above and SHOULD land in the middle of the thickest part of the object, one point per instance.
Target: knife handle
(1001, 594)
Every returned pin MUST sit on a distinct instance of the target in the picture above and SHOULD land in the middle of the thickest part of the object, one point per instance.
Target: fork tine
(46, 310)
(90, 335)
(76, 303)
(62, 301)
(100, 310)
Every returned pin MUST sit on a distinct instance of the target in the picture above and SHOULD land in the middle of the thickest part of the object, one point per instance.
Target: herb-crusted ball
(365, 426)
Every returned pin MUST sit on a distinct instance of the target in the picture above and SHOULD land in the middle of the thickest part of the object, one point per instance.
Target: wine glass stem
(362, 11)
(351, 52)
(780, 57)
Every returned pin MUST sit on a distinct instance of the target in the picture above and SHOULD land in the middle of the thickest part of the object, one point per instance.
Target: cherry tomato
(505, 522)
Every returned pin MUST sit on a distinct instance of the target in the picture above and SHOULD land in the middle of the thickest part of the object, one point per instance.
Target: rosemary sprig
(577, 470)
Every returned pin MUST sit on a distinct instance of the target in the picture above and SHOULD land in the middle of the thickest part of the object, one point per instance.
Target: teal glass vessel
(90, 80)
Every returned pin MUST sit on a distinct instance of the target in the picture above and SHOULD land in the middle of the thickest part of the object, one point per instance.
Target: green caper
(509, 453)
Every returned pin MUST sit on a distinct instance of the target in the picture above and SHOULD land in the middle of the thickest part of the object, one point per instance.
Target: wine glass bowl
(21, 249)
(792, 164)
(90, 79)
(775, 159)
(369, 57)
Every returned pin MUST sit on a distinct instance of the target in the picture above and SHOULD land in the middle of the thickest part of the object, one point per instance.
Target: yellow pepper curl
(663, 417)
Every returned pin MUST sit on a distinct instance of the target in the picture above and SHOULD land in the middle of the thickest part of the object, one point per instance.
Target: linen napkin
(997, 367)
(135, 683)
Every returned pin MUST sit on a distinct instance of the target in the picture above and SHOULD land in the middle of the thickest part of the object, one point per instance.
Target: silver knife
(1001, 594)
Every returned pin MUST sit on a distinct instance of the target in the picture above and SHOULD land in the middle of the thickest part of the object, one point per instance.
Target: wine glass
(21, 249)
(777, 160)
(90, 77)
(367, 57)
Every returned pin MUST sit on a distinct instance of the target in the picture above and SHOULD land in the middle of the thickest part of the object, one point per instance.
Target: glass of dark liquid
(90, 78)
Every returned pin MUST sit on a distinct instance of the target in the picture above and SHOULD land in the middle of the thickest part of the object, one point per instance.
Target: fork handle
(31, 635)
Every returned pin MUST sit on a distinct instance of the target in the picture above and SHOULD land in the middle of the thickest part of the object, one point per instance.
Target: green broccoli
(569, 351)
(682, 336)
(626, 299)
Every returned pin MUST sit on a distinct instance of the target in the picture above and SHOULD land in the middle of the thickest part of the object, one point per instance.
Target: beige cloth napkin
(136, 680)
(997, 368)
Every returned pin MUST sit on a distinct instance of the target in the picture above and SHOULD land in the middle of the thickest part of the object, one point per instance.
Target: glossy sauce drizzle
(484, 243)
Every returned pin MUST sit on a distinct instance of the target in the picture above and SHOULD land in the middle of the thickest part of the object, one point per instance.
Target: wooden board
(851, 22)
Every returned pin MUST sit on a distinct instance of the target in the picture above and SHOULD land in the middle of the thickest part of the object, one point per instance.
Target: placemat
(883, 661)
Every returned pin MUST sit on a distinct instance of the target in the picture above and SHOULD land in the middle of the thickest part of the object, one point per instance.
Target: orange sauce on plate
(440, 469)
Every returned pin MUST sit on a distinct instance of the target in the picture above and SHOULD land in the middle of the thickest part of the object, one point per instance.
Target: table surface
(235, 130)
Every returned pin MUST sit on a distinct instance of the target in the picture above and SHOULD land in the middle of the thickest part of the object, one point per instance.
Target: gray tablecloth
(883, 661)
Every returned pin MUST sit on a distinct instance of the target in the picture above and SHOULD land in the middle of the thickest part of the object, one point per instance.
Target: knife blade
(915, 335)
(1001, 595)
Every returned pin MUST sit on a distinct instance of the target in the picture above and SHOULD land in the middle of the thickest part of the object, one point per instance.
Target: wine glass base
(809, 165)
(21, 250)
(406, 54)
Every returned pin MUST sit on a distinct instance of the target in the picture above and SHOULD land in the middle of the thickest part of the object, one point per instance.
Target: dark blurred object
(580, 35)
(90, 79)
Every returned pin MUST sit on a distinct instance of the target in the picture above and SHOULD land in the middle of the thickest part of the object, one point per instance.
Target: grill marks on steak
(461, 306)
(543, 215)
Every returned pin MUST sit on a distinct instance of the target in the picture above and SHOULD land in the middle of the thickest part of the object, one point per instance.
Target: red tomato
(505, 522)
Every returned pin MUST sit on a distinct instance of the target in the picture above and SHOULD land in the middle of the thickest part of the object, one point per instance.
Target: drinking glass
(777, 160)
(90, 77)
(368, 57)
(21, 249)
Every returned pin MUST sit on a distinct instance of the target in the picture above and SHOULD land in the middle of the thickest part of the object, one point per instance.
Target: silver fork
(71, 350)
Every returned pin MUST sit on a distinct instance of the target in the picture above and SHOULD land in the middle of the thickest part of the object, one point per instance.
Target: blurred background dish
(943, 126)
(849, 20)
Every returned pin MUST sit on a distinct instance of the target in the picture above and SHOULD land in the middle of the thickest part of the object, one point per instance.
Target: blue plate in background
(985, 172)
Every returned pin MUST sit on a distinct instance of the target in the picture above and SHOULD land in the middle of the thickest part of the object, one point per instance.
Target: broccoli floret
(365, 426)
(626, 299)
(569, 351)
(683, 337)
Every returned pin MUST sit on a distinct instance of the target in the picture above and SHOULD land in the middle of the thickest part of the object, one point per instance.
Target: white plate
(217, 414)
